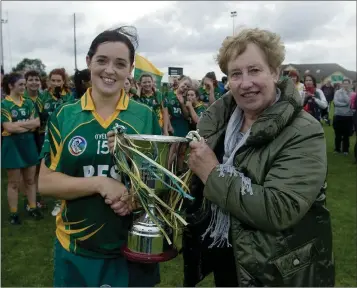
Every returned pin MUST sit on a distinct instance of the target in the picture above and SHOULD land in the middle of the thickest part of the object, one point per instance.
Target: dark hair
(145, 75)
(31, 73)
(2, 70)
(212, 76)
(346, 80)
(125, 34)
(10, 79)
(197, 93)
(312, 78)
(44, 83)
(81, 76)
(224, 79)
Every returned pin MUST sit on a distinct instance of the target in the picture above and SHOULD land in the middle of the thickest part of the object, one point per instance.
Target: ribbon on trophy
(125, 150)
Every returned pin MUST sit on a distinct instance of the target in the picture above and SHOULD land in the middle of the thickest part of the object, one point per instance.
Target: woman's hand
(189, 104)
(202, 159)
(111, 139)
(115, 194)
(179, 97)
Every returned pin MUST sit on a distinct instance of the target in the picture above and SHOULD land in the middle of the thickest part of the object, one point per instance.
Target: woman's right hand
(115, 194)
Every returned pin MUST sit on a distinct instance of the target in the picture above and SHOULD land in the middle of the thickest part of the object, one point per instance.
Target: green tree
(30, 64)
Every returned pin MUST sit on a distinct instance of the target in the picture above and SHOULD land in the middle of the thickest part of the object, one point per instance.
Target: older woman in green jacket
(261, 167)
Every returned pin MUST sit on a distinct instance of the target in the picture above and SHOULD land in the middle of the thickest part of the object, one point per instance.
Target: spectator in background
(336, 86)
(225, 85)
(194, 106)
(314, 98)
(342, 121)
(294, 75)
(210, 91)
(329, 91)
(175, 83)
(81, 83)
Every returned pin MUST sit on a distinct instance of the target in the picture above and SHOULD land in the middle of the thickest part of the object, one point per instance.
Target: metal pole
(3, 21)
(75, 41)
(233, 15)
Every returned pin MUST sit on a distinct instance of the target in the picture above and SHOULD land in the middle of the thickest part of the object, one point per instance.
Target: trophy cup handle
(193, 136)
(119, 129)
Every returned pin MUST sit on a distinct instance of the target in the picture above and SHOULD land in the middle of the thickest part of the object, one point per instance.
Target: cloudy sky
(180, 34)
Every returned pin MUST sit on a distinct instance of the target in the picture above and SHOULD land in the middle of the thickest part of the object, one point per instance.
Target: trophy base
(149, 258)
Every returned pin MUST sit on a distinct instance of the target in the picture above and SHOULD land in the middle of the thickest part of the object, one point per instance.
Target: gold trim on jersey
(64, 231)
(8, 98)
(88, 105)
(6, 114)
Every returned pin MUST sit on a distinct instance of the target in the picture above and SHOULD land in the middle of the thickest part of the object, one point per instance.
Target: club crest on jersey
(14, 113)
(47, 105)
(77, 145)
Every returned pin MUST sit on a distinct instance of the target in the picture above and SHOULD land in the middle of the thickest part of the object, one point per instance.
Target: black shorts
(39, 138)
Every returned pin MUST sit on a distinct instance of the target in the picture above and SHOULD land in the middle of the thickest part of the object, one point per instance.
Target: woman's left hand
(202, 159)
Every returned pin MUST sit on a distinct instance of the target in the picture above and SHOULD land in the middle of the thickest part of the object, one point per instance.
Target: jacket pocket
(296, 262)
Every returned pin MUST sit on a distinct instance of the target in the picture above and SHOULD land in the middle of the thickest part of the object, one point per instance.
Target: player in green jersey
(78, 168)
(210, 91)
(176, 117)
(150, 96)
(19, 119)
(175, 109)
(33, 85)
(195, 106)
(57, 94)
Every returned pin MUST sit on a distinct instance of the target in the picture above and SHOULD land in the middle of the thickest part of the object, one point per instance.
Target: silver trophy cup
(151, 237)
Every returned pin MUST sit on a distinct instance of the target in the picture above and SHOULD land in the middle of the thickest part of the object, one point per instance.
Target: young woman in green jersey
(149, 95)
(19, 119)
(33, 85)
(194, 106)
(176, 118)
(210, 91)
(57, 94)
(78, 168)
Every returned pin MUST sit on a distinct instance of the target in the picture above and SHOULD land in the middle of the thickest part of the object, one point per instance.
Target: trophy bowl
(150, 163)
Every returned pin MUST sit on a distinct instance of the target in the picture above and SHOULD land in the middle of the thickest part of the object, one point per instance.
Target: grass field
(27, 250)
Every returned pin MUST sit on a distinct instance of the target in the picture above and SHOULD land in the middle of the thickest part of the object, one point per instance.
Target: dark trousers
(199, 261)
(343, 126)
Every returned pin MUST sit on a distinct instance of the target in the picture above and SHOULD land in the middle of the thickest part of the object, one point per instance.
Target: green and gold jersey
(204, 95)
(76, 144)
(154, 101)
(48, 103)
(178, 121)
(36, 100)
(12, 112)
(199, 109)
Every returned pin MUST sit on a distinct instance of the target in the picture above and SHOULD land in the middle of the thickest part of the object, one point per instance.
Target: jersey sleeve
(156, 129)
(69, 98)
(158, 97)
(53, 144)
(5, 114)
